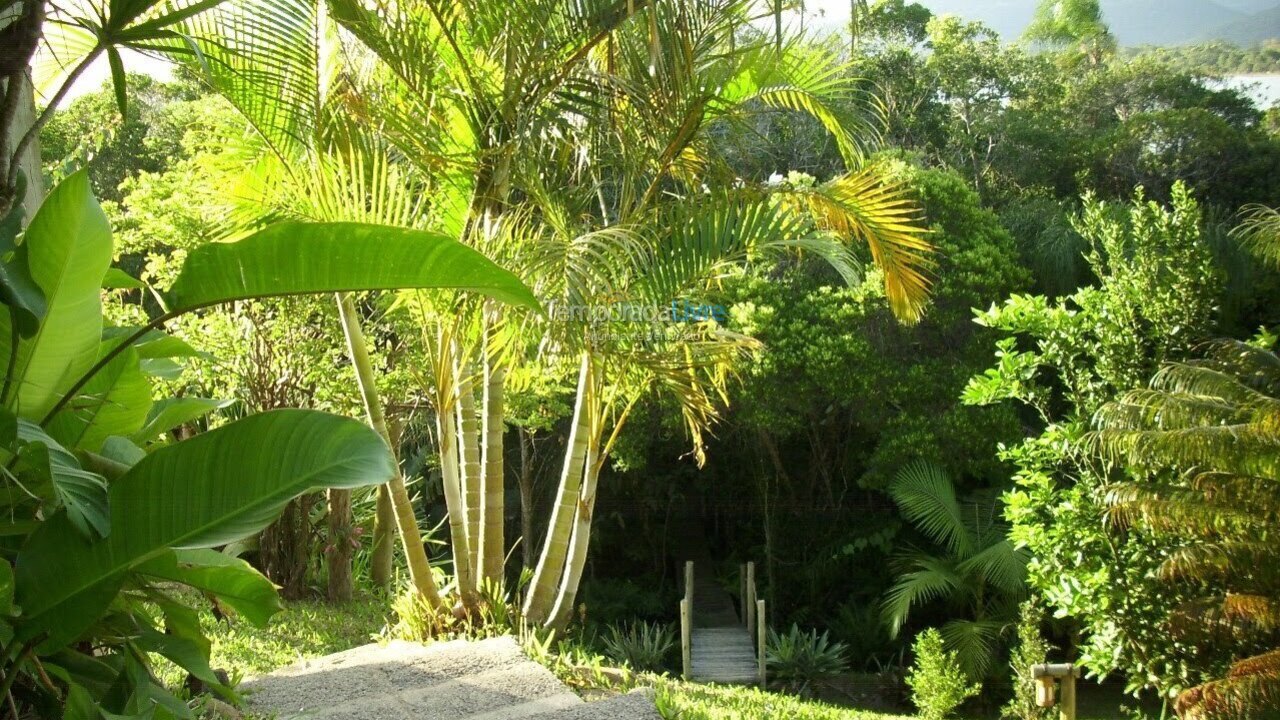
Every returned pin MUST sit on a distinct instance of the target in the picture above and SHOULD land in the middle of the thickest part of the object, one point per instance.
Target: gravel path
(459, 680)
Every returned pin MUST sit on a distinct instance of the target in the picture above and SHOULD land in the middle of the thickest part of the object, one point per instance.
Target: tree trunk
(284, 548)
(383, 556)
(526, 498)
(18, 113)
(382, 564)
(22, 23)
(470, 473)
(419, 567)
(546, 578)
(338, 558)
(453, 499)
(495, 516)
(577, 561)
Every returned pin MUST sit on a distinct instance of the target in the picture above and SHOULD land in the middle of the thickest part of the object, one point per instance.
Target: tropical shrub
(1198, 447)
(1155, 298)
(979, 574)
(1030, 648)
(938, 684)
(798, 657)
(640, 646)
(100, 513)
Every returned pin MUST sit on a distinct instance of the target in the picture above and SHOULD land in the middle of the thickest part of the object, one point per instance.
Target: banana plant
(100, 520)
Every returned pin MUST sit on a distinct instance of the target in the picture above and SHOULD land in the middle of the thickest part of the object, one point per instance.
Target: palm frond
(931, 579)
(927, 497)
(861, 207)
(974, 642)
(1000, 565)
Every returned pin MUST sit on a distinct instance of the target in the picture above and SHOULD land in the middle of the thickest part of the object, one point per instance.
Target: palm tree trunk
(338, 558)
(419, 567)
(470, 473)
(453, 498)
(382, 564)
(526, 498)
(577, 562)
(546, 578)
(494, 544)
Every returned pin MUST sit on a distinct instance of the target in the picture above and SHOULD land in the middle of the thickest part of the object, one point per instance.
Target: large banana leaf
(298, 258)
(116, 401)
(217, 487)
(68, 249)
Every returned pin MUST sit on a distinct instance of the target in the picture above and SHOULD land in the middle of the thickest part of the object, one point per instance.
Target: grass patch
(305, 629)
(678, 700)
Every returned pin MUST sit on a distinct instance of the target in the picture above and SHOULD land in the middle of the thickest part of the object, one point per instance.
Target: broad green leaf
(230, 579)
(298, 258)
(122, 450)
(182, 651)
(169, 413)
(83, 494)
(210, 490)
(152, 343)
(117, 279)
(80, 705)
(116, 401)
(68, 249)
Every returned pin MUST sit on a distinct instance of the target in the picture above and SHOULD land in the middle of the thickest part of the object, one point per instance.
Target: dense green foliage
(938, 684)
(886, 476)
(1216, 58)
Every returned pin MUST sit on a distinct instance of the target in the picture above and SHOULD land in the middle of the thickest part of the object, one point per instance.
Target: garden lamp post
(1046, 676)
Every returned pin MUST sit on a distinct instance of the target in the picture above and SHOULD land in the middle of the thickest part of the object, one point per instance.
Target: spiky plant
(978, 571)
(1203, 442)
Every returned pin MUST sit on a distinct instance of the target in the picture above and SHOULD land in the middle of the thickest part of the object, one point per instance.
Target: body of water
(1264, 89)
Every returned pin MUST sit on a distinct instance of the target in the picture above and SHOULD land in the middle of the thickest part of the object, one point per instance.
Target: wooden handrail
(686, 622)
(761, 640)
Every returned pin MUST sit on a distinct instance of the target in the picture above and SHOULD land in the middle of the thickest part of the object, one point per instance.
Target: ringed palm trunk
(419, 567)
(469, 456)
(581, 540)
(544, 587)
(494, 544)
(382, 562)
(446, 431)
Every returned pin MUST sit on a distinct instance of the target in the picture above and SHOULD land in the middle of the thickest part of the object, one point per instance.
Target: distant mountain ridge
(1140, 22)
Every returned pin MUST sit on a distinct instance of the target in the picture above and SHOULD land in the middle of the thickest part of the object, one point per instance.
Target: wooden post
(750, 600)
(1067, 708)
(686, 622)
(761, 639)
(686, 638)
(742, 592)
(1066, 674)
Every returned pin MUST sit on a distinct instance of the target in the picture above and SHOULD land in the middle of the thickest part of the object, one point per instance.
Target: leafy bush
(640, 645)
(1031, 649)
(938, 685)
(799, 657)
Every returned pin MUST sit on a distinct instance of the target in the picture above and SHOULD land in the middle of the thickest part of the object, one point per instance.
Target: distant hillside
(1140, 22)
(1249, 30)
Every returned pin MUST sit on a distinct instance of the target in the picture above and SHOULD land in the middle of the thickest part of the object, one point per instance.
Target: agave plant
(1201, 441)
(640, 646)
(799, 657)
(977, 573)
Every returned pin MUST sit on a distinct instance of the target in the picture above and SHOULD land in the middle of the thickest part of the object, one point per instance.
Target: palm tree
(1202, 442)
(538, 129)
(1075, 24)
(979, 573)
